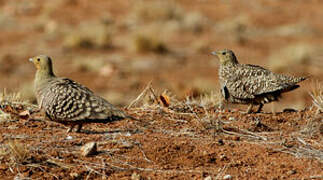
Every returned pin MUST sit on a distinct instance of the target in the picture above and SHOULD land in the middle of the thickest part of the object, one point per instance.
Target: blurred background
(117, 47)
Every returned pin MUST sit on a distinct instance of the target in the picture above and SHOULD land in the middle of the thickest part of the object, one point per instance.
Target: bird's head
(42, 63)
(226, 57)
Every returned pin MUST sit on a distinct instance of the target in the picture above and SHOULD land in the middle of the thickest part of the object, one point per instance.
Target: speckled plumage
(251, 84)
(68, 102)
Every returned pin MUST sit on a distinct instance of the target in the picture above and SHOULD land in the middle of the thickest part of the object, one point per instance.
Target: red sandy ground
(166, 143)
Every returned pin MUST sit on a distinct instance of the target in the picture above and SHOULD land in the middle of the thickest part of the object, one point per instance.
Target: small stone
(223, 157)
(126, 144)
(24, 114)
(89, 149)
(19, 177)
(232, 119)
(208, 178)
(69, 138)
(291, 172)
(74, 175)
(135, 176)
(12, 127)
(228, 176)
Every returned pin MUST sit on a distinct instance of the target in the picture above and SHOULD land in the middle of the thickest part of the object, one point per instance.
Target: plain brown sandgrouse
(68, 102)
(251, 84)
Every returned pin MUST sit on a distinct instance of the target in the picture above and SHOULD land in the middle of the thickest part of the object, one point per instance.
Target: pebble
(232, 119)
(223, 157)
(69, 138)
(228, 176)
(89, 149)
(75, 175)
(135, 176)
(208, 178)
(126, 144)
(128, 134)
(291, 172)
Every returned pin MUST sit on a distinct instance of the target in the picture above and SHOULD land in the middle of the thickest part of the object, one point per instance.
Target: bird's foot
(35, 110)
(221, 108)
(259, 108)
(78, 128)
(249, 110)
(70, 129)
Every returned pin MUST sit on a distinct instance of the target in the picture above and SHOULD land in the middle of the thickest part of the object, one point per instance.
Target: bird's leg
(70, 128)
(36, 110)
(78, 127)
(259, 108)
(221, 106)
(39, 106)
(249, 110)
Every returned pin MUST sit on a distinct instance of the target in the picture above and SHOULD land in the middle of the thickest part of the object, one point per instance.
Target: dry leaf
(24, 114)
(165, 100)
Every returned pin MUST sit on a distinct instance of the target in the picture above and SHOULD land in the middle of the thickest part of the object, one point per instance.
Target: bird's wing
(250, 81)
(67, 100)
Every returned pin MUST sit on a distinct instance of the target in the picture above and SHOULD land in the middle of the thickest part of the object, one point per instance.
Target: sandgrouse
(68, 102)
(251, 84)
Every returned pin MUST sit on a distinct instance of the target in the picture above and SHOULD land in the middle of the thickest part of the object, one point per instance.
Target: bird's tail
(290, 88)
(299, 79)
(123, 115)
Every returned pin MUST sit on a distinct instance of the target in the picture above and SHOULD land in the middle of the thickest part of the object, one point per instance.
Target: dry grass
(313, 127)
(147, 12)
(89, 63)
(148, 42)
(89, 35)
(10, 101)
(148, 39)
(158, 109)
(13, 99)
(152, 99)
(317, 96)
(10, 97)
(298, 29)
(4, 117)
(212, 99)
(27, 92)
(303, 57)
(5, 100)
(169, 14)
(152, 23)
(16, 152)
(238, 29)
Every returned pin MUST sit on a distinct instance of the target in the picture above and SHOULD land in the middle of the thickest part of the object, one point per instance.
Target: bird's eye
(223, 53)
(38, 59)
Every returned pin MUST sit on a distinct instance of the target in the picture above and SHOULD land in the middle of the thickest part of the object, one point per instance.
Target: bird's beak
(214, 53)
(31, 59)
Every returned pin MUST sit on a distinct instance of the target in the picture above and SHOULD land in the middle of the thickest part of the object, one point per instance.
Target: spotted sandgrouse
(251, 84)
(68, 102)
